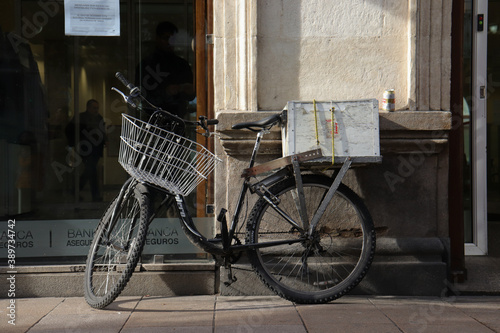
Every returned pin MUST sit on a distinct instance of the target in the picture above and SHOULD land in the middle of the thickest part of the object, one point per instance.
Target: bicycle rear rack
(294, 161)
(281, 162)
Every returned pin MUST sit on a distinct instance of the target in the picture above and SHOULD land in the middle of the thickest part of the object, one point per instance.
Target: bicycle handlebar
(135, 92)
(132, 89)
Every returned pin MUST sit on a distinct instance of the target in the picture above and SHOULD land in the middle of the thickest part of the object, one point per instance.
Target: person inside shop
(165, 78)
(92, 139)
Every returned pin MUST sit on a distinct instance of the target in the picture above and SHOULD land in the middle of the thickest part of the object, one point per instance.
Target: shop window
(47, 81)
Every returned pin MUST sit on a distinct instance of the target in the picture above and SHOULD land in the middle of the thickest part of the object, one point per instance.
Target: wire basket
(159, 157)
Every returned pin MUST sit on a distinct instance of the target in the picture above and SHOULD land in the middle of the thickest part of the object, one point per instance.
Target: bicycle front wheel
(116, 248)
(315, 269)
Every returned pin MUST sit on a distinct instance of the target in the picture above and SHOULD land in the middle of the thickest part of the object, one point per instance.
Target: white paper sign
(92, 17)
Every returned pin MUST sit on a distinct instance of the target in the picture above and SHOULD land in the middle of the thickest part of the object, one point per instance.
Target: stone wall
(325, 50)
(268, 52)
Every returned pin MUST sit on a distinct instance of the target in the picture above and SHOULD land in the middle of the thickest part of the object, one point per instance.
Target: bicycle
(309, 237)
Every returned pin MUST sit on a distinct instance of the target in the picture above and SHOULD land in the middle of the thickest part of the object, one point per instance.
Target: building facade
(249, 58)
(270, 52)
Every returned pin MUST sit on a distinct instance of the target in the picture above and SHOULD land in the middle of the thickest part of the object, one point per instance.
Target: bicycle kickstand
(230, 277)
(226, 243)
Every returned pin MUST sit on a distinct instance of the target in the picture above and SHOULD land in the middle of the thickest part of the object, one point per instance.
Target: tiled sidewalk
(255, 314)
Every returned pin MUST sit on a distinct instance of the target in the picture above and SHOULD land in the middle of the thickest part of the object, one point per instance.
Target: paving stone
(255, 314)
(173, 312)
(28, 311)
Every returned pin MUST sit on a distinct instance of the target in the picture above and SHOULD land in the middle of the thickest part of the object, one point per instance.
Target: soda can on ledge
(389, 100)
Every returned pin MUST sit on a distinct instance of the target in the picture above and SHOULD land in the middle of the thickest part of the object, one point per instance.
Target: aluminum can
(389, 100)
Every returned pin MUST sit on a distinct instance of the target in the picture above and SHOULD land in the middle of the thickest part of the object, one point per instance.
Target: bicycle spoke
(319, 263)
(115, 250)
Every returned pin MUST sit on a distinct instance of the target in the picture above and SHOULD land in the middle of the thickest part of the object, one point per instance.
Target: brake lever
(126, 98)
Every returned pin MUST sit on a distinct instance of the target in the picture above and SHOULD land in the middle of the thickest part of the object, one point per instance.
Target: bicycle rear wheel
(116, 248)
(328, 264)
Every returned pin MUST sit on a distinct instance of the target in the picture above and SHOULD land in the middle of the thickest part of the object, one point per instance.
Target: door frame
(203, 10)
(479, 245)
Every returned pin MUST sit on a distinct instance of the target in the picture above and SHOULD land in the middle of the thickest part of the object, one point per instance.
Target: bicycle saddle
(263, 123)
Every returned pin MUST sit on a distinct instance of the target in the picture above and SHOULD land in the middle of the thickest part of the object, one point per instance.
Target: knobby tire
(112, 259)
(323, 267)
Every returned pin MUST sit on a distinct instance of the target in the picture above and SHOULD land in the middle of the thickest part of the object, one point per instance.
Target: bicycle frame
(222, 246)
(292, 198)
(214, 247)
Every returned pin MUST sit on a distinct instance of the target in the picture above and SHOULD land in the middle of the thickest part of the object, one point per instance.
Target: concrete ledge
(181, 266)
(406, 266)
(172, 283)
(399, 132)
(389, 121)
(389, 246)
(404, 278)
(159, 280)
(415, 120)
(412, 146)
(387, 276)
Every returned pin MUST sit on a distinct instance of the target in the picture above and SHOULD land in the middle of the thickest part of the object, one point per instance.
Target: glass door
(467, 106)
(482, 127)
(493, 127)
